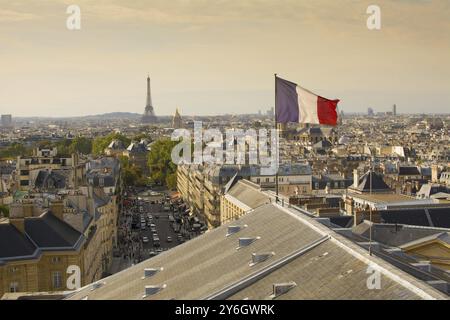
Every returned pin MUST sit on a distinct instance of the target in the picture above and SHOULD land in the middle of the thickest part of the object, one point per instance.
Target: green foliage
(140, 136)
(81, 145)
(171, 181)
(162, 169)
(62, 146)
(131, 174)
(14, 150)
(4, 210)
(100, 143)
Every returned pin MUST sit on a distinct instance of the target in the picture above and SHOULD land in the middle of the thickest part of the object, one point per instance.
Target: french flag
(296, 104)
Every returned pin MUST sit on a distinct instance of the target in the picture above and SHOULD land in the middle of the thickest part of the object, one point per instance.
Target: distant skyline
(211, 57)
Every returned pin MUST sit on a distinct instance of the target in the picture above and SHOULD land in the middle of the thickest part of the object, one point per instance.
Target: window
(57, 279)
(56, 259)
(258, 180)
(14, 287)
(14, 269)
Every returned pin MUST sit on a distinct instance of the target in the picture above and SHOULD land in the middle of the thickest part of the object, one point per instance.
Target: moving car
(169, 239)
(145, 239)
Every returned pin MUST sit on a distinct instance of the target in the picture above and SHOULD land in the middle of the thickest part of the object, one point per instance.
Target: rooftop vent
(244, 242)
(345, 273)
(235, 229)
(282, 288)
(97, 285)
(151, 290)
(149, 272)
(319, 256)
(260, 257)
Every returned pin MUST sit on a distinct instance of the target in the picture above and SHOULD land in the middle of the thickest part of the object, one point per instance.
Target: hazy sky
(218, 56)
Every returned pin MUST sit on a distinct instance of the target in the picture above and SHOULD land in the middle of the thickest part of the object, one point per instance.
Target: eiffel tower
(149, 113)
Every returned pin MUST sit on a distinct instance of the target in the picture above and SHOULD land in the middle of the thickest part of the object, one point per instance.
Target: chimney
(57, 208)
(434, 173)
(355, 178)
(19, 223)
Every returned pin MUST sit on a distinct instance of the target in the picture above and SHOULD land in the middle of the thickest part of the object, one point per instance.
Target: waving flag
(296, 104)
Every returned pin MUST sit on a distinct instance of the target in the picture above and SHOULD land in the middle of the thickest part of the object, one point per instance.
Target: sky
(210, 57)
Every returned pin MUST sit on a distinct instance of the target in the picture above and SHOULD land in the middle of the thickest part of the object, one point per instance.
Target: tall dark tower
(149, 113)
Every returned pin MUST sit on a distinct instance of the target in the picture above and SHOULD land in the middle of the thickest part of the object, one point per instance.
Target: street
(149, 227)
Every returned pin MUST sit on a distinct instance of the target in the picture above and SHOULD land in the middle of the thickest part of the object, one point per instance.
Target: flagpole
(276, 128)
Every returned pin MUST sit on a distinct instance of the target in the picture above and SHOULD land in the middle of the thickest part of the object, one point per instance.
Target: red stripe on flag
(326, 111)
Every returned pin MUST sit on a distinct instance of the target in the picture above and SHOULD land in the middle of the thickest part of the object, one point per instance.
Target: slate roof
(42, 233)
(116, 144)
(408, 171)
(51, 179)
(378, 184)
(13, 245)
(48, 231)
(248, 193)
(342, 221)
(394, 235)
(430, 217)
(323, 263)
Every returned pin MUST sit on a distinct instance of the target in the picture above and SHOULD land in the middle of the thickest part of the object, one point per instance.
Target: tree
(81, 145)
(63, 147)
(100, 143)
(4, 210)
(160, 163)
(14, 150)
(131, 174)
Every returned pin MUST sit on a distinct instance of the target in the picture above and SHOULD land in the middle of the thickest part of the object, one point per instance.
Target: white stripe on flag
(307, 106)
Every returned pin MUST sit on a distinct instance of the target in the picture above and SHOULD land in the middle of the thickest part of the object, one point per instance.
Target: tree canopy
(100, 143)
(162, 169)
